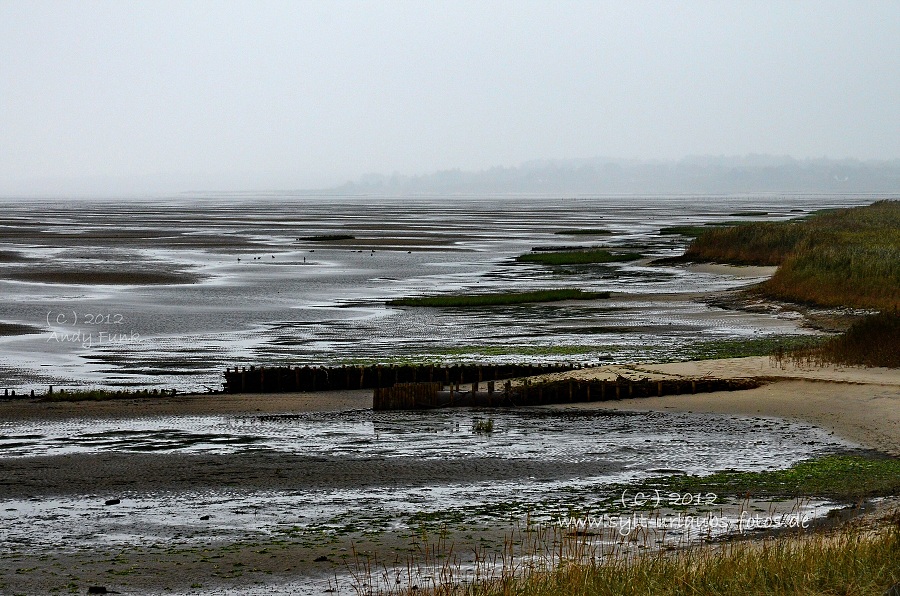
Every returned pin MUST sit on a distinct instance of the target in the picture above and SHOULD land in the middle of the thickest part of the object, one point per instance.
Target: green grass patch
(693, 231)
(524, 350)
(743, 348)
(846, 478)
(500, 298)
(327, 237)
(584, 232)
(689, 231)
(577, 257)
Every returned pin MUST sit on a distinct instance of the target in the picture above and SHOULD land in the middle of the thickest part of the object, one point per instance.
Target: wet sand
(859, 404)
(188, 405)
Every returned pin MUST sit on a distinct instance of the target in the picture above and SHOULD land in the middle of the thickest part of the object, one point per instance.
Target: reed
(871, 341)
(847, 563)
(551, 561)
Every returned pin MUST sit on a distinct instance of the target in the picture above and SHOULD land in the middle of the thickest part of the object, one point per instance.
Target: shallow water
(537, 466)
(292, 301)
(553, 459)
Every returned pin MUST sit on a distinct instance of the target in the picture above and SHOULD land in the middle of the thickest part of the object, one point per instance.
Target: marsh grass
(845, 257)
(872, 341)
(742, 348)
(690, 231)
(577, 257)
(499, 298)
(553, 561)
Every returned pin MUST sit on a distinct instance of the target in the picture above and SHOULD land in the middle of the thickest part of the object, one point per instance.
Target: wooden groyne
(323, 378)
(416, 396)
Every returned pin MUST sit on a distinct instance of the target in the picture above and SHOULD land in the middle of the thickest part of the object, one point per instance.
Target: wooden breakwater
(324, 378)
(416, 396)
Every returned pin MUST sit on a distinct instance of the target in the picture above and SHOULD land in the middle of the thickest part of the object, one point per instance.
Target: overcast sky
(145, 96)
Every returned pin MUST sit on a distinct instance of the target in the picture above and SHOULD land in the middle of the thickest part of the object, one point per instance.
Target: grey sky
(145, 96)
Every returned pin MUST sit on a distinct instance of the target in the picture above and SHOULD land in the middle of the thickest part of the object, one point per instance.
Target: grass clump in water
(500, 298)
(584, 232)
(690, 231)
(577, 257)
(482, 426)
(327, 237)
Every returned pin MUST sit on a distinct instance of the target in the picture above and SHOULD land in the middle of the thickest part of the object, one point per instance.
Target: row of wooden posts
(415, 396)
(322, 378)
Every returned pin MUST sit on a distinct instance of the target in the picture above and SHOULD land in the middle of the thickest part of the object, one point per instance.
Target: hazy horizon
(106, 98)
